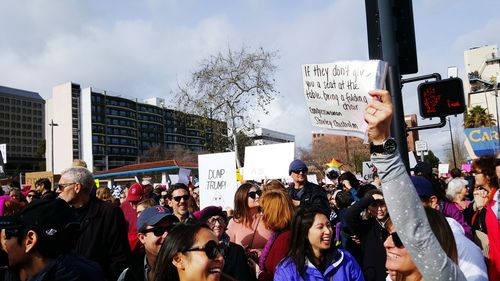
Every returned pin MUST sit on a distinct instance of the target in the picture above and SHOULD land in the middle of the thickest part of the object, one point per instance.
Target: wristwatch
(389, 146)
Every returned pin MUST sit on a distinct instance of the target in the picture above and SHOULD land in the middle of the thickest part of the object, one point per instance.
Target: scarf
(267, 249)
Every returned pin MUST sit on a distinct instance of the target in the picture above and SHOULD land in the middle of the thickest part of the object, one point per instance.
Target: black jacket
(103, 237)
(372, 236)
(235, 263)
(310, 195)
(69, 268)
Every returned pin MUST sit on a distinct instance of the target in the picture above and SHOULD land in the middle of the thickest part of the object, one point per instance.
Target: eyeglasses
(159, 230)
(253, 194)
(397, 241)
(62, 186)
(299, 171)
(211, 222)
(212, 249)
(178, 198)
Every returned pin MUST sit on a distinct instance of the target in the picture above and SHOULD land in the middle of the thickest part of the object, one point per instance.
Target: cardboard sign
(368, 170)
(337, 94)
(184, 175)
(217, 179)
(268, 161)
(31, 178)
(443, 168)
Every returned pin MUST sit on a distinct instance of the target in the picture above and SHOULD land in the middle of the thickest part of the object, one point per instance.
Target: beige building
(482, 67)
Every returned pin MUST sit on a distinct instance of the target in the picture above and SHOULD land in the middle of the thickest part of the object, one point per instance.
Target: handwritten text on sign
(337, 93)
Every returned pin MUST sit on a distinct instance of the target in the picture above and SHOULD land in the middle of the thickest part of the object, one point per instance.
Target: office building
(262, 136)
(482, 68)
(109, 131)
(22, 117)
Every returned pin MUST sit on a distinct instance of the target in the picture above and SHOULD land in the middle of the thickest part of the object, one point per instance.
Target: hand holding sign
(337, 93)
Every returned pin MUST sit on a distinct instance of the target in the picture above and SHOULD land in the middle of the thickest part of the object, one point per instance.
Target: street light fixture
(52, 125)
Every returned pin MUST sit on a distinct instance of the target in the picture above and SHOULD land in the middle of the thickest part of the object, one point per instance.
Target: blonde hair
(273, 185)
(278, 210)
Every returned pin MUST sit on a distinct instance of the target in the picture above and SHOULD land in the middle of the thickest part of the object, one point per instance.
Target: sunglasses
(212, 249)
(397, 241)
(178, 198)
(300, 171)
(159, 230)
(253, 194)
(213, 220)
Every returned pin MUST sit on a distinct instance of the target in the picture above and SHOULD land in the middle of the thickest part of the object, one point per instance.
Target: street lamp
(52, 125)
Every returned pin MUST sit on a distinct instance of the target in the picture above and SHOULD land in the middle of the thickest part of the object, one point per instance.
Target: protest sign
(368, 169)
(312, 178)
(466, 167)
(443, 168)
(184, 175)
(337, 94)
(217, 179)
(173, 179)
(268, 161)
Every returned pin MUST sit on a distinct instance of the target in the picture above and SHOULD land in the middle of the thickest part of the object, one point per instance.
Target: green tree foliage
(478, 117)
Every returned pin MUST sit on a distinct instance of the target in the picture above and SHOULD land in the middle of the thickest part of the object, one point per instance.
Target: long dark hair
(180, 237)
(300, 247)
(241, 210)
(443, 232)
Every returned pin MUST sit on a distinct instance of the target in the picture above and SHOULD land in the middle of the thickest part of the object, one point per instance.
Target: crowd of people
(399, 227)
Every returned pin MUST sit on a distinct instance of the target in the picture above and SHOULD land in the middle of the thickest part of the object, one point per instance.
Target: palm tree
(478, 117)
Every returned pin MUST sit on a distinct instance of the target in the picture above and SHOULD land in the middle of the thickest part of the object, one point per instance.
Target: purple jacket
(450, 210)
(343, 268)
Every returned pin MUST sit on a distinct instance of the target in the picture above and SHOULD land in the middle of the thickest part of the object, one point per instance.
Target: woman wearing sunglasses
(191, 252)
(399, 262)
(312, 255)
(235, 259)
(403, 203)
(246, 227)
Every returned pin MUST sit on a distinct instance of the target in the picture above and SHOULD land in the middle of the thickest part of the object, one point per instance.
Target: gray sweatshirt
(410, 221)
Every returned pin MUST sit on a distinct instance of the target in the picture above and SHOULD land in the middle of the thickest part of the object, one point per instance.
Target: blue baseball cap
(152, 215)
(423, 186)
(297, 165)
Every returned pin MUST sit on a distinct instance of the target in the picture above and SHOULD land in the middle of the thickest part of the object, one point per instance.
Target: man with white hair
(103, 231)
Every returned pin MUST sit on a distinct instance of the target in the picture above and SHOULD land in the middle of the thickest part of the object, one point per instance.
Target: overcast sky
(142, 49)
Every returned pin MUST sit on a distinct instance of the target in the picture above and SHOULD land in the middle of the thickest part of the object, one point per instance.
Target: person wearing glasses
(235, 264)
(103, 230)
(179, 200)
(190, 252)
(246, 228)
(303, 192)
(401, 198)
(153, 226)
(32, 195)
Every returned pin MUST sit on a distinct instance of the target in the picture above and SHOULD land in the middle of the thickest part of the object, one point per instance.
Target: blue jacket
(344, 267)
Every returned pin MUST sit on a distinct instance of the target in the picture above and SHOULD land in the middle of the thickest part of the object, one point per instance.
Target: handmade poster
(443, 168)
(368, 169)
(268, 161)
(337, 94)
(184, 175)
(217, 179)
(312, 178)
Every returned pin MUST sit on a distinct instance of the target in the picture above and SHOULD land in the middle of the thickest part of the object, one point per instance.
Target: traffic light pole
(393, 81)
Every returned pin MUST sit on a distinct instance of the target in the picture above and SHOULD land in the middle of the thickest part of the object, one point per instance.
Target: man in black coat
(303, 192)
(103, 230)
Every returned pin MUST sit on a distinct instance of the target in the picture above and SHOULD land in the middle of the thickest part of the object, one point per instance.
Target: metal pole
(389, 51)
(496, 106)
(452, 145)
(52, 124)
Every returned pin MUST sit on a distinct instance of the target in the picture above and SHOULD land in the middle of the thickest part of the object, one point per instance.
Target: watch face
(390, 146)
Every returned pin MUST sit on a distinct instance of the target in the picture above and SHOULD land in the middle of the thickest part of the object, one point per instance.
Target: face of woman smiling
(320, 234)
(195, 265)
(398, 259)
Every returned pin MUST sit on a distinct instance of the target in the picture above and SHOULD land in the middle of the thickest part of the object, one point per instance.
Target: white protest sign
(412, 159)
(337, 93)
(268, 161)
(174, 179)
(443, 168)
(312, 178)
(217, 179)
(3, 150)
(368, 170)
(184, 175)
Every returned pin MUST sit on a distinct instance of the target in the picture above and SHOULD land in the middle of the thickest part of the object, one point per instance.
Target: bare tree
(458, 149)
(230, 86)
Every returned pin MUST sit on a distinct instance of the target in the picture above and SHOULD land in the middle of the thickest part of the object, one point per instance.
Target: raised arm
(402, 201)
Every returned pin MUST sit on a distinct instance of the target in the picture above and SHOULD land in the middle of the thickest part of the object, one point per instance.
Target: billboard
(481, 141)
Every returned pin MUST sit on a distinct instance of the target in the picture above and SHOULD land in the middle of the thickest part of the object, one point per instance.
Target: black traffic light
(441, 98)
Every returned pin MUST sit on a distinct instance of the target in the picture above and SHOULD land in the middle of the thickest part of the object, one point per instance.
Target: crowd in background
(397, 227)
